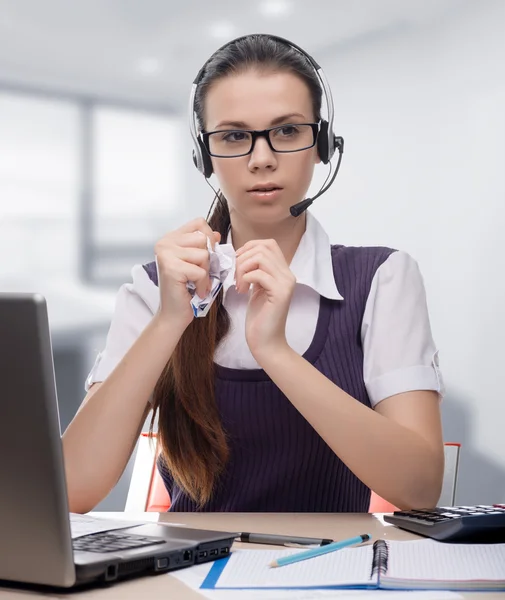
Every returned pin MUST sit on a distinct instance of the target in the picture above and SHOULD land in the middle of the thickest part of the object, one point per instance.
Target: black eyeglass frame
(255, 134)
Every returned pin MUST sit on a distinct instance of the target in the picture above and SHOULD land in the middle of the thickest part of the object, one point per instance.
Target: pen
(281, 540)
(287, 560)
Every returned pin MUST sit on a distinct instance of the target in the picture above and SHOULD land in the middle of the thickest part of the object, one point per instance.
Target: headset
(327, 141)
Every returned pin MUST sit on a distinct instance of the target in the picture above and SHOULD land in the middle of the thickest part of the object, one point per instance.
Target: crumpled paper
(221, 269)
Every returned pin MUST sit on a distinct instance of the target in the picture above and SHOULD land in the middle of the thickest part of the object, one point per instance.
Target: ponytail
(192, 439)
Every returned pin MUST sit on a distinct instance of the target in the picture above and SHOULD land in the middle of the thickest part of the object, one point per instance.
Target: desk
(163, 587)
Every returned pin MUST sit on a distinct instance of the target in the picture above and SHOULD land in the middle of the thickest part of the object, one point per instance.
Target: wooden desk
(162, 587)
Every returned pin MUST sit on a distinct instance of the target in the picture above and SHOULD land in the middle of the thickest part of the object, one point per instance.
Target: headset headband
(326, 137)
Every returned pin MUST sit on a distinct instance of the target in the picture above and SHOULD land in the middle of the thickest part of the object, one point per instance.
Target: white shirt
(399, 351)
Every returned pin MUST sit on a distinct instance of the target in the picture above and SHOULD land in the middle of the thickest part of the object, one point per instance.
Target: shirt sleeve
(399, 352)
(136, 303)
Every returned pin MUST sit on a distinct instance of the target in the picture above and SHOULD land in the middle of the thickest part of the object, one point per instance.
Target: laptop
(40, 543)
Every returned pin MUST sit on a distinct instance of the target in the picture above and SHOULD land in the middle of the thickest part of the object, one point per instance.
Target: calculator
(465, 524)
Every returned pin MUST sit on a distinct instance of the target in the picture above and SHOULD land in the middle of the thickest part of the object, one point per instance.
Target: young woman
(310, 382)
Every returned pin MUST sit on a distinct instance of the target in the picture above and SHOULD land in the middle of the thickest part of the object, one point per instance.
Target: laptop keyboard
(81, 525)
(113, 541)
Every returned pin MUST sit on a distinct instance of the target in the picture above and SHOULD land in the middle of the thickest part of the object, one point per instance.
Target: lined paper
(250, 569)
(429, 560)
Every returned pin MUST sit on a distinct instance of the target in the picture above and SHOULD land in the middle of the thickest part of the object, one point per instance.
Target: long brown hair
(190, 432)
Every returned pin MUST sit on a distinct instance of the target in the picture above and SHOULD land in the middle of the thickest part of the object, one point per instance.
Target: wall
(423, 116)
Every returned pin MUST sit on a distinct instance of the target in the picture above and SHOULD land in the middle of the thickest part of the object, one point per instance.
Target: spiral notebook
(410, 565)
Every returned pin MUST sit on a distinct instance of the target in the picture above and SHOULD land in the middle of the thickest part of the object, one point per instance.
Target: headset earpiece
(203, 158)
(206, 160)
(322, 142)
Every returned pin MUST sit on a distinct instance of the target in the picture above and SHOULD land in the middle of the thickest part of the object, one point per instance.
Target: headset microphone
(297, 209)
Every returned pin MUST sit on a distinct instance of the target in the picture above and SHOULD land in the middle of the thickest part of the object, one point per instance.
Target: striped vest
(278, 463)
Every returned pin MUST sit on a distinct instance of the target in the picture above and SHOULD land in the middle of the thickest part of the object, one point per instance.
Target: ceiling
(149, 51)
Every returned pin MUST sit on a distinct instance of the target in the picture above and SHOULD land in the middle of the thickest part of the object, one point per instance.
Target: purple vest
(278, 463)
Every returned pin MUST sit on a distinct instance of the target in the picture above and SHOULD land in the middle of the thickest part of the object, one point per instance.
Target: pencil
(293, 558)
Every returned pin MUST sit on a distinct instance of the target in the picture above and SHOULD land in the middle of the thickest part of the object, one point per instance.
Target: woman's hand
(182, 256)
(262, 264)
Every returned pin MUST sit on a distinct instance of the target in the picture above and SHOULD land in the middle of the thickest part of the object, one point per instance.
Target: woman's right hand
(182, 256)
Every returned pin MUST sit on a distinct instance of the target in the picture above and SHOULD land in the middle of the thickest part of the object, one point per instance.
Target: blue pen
(293, 558)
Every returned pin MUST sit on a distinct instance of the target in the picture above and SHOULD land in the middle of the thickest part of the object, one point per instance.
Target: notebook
(410, 565)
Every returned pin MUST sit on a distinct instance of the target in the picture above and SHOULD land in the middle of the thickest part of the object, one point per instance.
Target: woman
(312, 381)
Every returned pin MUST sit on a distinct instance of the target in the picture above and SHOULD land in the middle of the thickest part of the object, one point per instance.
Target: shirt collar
(312, 264)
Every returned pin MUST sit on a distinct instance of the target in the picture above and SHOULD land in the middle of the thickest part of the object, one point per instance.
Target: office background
(95, 166)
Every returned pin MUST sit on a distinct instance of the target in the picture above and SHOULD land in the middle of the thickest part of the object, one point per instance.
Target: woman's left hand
(262, 264)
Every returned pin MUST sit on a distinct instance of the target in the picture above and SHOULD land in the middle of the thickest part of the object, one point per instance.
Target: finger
(258, 261)
(196, 256)
(202, 286)
(261, 250)
(195, 239)
(199, 224)
(259, 277)
(182, 271)
(270, 244)
(198, 275)
(252, 263)
(200, 258)
(190, 264)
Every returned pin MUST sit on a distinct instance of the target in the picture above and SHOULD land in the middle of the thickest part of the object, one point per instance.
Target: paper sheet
(221, 269)
(250, 569)
(194, 576)
(431, 560)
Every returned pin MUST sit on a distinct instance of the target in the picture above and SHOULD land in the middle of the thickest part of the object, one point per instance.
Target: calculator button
(423, 522)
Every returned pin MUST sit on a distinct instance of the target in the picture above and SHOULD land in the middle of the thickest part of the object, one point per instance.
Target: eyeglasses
(231, 143)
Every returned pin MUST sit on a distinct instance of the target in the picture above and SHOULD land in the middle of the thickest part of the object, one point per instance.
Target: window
(85, 189)
(39, 186)
(136, 187)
